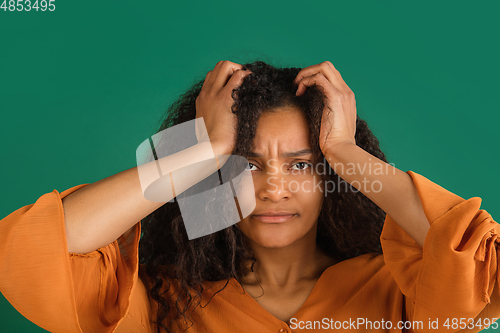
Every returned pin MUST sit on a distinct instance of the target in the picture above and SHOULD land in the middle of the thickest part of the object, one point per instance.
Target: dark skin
(289, 263)
(288, 260)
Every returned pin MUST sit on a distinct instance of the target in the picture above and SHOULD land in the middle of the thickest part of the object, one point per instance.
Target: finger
(237, 79)
(307, 71)
(207, 77)
(327, 69)
(341, 80)
(316, 79)
(211, 79)
(226, 69)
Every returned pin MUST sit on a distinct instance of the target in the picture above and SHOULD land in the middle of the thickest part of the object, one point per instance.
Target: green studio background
(81, 87)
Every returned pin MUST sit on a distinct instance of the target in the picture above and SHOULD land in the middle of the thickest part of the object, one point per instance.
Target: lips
(274, 213)
(274, 216)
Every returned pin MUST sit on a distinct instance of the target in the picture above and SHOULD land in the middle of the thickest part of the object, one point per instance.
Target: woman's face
(283, 184)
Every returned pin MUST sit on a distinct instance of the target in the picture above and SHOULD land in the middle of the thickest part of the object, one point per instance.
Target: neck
(286, 267)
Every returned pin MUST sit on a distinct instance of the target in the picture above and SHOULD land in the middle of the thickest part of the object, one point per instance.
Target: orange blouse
(453, 279)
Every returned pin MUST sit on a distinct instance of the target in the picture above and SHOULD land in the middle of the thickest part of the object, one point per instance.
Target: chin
(273, 238)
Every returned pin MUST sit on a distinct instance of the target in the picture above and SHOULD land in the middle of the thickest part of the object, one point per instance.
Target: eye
(249, 166)
(304, 165)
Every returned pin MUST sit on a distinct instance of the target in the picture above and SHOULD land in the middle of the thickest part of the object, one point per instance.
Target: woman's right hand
(214, 104)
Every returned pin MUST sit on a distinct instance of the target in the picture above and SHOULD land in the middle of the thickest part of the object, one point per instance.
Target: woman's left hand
(338, 123)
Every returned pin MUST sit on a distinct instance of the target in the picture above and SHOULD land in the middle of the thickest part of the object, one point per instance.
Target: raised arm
(389, 188)
(97, 214)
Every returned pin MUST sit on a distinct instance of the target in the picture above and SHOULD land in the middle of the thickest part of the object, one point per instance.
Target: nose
(274, 187)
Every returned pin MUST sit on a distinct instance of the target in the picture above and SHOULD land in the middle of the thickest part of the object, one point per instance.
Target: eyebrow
(297, 153)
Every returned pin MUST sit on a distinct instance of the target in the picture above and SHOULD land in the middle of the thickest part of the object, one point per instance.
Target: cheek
(308, 185)
(312, 186)
(311, 193)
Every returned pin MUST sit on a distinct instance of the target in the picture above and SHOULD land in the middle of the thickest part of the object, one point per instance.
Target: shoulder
(363, 275)
(362, 269)
(365, 261)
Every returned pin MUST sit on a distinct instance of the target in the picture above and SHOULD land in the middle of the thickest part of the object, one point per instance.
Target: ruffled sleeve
(455, 274)
(57, 290)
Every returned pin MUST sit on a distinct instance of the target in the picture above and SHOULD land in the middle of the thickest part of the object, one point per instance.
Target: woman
(308, 257)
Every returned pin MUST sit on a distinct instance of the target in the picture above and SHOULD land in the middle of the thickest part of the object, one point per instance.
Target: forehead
(281, 130)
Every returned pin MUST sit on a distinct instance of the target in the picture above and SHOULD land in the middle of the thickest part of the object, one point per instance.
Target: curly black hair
(349, 223)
